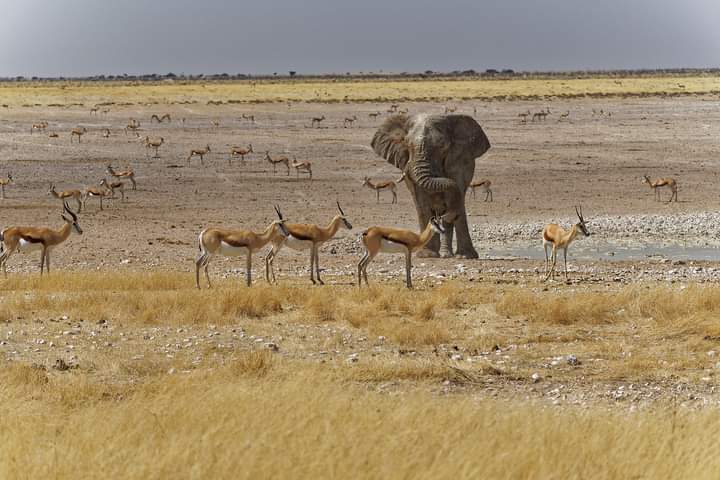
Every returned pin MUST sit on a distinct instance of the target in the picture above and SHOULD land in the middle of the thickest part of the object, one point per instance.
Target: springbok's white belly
(387, 246)
(297, 244)
(25, 246)
(229, 251)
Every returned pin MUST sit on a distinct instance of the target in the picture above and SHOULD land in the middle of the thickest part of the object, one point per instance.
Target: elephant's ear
(389, 141)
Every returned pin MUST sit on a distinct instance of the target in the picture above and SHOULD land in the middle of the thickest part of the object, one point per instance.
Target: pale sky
(89, 37)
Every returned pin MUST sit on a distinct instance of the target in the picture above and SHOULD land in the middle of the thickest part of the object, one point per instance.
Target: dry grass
(336, 90)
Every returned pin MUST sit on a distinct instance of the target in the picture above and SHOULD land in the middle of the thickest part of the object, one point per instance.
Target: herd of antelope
(280, 233)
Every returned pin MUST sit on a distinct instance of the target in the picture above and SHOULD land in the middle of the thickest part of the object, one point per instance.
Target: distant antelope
(374, 115)
(554, 235)
(160, 119)
(541, 115)
(389, 185)
(215, 123)
(155, 144)
(450, 109)
(129, 174)
(5, 181)
(106, 133)
(393, 108)
(112, 186)
(563, 116)
(317, 120)
(26, 239)
(105, 111)
(79, 132)
(396, 241)
(250, 118)
(349, 121)
(240, 152)
(53, 135)
(303, 236)
(305, 167)
(524, 116)
(233, 243)
(66, 194)
(662, 182)
(132, 125)
(94, 110)
(95, 192)
(275, 161)
(485, 185)
(38, 126)
(200, 152)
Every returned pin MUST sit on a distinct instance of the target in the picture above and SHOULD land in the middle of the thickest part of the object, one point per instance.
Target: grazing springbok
(129, 174)
(317, 120)
(304, 236)
(200, 152)
(557, 237)
(65, 194)
(305, 167)
(132, 125)
(26, 239)
(240, 152)
(349, 121)
(485, 185)
(158, 119)
(389, 185)
(154, 144)
(79, 132)
(662, 182)
(275, 161)
(233, 243)
(374, 115)
(524, 116)
(396, 241)
(249, 118)
(3, 182)
(112, 186)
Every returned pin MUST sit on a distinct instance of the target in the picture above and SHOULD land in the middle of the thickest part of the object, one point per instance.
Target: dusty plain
(482, 369)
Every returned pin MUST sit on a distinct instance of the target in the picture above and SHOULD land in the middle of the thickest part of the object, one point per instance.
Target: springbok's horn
(277, 210)
(66, 207)
(339, 208)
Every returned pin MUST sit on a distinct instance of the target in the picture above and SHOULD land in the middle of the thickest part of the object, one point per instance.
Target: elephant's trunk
(421, 172)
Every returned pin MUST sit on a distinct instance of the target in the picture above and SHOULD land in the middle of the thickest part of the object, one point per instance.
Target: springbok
(389, 185)
(233, 243)
(26, 239)
(275, 161)
(65, 194)
(112, 186)
(154, 144)
(557, 237)
(485, 185)
(349, 121)
(3, 182)
(662, 182)
(305, 167)
(396, 241)
(129, 174)
(200, 152)
(303, 236)
(95, 192)
(38, 126)
(79, 132)
(317, 120)
(240, 152)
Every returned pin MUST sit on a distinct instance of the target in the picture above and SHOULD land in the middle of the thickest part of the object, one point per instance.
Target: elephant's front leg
(446, 240)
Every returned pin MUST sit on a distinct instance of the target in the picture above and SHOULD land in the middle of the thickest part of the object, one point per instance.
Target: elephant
(437, 156)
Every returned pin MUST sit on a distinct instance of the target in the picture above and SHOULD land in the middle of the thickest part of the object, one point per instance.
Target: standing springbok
(38, 126)
(485, 185)
(95, 192)
(305, 167)
(65, 194)
(396, 241)
(233, 243)
(389, 185)
(274, 162)
(79, 132)
(3, 182)
(303, 236)
(316, 121)
(240, 152)
(133, 125)
(200, 152)
(25, 239)
(112, 186)
(662, 182)
(129, 174)
(557, 237)
(349, 121)
(154, 144)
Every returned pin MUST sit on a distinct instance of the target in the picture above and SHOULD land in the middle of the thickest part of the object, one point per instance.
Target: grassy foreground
(91, 93)
(211, 408)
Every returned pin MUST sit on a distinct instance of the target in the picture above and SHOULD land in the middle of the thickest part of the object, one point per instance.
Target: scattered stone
(535, 377)
(572, 360)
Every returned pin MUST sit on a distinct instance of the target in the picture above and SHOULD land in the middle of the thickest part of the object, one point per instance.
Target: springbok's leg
(248, 267)
(317, 265)
(361, 263)
(408, 268)
(312, 264)
(565, 258)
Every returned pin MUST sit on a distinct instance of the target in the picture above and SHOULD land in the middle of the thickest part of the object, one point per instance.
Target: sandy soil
(539, 171)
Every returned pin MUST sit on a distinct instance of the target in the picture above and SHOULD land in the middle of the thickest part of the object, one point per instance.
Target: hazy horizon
(84, 38)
